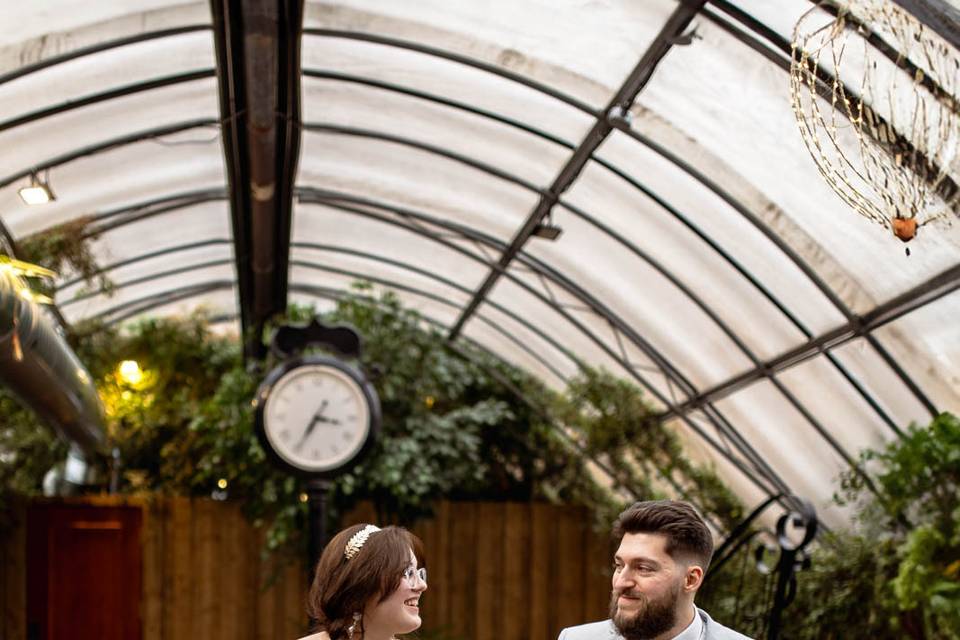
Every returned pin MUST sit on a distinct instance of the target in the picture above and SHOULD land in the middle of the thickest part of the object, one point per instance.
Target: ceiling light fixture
(39, 191)
(546, 229)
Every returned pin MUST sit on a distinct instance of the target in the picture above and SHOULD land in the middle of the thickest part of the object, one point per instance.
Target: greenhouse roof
(237, 157)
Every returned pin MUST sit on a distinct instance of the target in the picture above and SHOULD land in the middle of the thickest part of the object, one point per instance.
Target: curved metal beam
(28, 69)
(336, 200)
(119, 92)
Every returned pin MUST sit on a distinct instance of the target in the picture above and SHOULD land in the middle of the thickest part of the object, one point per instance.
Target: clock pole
(317, 491)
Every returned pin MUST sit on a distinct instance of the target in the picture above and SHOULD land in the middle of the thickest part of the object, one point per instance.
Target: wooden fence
(504, 571)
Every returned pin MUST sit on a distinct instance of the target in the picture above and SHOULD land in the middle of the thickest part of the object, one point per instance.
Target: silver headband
(357, 541)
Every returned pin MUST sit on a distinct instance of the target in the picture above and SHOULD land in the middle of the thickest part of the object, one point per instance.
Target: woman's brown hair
(342, 587)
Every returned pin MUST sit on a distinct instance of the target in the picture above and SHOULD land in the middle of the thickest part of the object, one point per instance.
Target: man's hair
(688, 538)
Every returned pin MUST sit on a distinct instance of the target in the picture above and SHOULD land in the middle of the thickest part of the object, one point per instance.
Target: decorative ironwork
(888, 143)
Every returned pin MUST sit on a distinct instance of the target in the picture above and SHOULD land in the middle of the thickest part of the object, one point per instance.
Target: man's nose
(622, 580)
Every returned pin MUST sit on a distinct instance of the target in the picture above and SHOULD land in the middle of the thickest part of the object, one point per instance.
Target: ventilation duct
(41, 369)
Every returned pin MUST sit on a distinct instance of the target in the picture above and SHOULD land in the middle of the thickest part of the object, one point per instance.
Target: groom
(665, 548)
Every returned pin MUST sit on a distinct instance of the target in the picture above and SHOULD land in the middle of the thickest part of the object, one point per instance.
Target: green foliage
(65, 245)
(617, 423)
(456, 423)
(898, 576)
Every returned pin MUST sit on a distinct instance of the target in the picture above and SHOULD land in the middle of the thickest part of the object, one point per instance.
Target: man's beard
(653, 618)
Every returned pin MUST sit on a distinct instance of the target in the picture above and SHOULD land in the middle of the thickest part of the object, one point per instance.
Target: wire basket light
(875, 95)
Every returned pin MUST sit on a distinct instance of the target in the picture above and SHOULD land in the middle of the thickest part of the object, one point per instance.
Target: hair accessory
(357, 541)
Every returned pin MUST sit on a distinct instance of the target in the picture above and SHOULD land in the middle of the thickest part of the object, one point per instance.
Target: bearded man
(665, 549)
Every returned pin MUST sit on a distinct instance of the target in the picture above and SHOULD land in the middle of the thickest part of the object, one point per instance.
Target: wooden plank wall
(498, 571)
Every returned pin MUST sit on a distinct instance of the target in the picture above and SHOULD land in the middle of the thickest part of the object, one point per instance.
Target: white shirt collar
(693, 630)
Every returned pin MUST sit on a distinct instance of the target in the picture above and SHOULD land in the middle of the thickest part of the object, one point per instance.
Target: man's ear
(693, 578)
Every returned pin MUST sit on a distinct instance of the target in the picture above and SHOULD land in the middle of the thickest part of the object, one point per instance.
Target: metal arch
(406, 266)
(666, 367)
(457, 58)
(119, 92)
(98, 48)
(146, 256)
(927, 292)
(696, 175)
(629, 245)
(740, 444)
(135, 307)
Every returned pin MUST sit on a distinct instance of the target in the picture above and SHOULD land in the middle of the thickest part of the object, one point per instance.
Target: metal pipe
(44, 373)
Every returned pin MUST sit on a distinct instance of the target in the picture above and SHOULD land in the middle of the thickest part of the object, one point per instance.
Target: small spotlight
(39, 192)
(130, 372)
(429, 402)
(547, 230)
(304, 497)
(222, 483)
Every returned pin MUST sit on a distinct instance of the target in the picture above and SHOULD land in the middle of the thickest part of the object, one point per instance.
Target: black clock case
(260, 402)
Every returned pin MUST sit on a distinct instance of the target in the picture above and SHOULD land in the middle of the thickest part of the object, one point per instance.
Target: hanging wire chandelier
(875, 95)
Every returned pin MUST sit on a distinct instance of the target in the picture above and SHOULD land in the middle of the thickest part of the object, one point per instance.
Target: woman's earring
(353, 625)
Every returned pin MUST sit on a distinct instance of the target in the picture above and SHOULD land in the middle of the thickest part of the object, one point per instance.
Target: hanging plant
(65, 247)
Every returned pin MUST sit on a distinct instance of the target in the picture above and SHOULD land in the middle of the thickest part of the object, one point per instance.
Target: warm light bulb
(36, 194)
(222, 483)
(130, 372)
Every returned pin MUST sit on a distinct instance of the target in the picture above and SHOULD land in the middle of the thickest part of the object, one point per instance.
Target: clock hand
(317, 417)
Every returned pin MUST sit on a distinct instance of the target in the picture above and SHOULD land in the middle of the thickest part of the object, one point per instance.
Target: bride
(368, 585)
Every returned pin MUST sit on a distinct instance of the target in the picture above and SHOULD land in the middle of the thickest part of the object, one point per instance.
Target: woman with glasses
(368, 585)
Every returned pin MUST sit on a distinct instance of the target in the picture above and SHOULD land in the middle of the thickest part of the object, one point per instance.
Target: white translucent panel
(577, 340)
(337, 229)
(404, 176)
(506, 148)
(450, 80)
(642, 298)
(835, 403)
(38, 142)
(779, 15)
(25, 20)
(141, 291)
(701, 453)
(218, 302)
(737, 106)
(554, 42)
(321, 263)
(183, 260)
(926, 343)
(767, 331)
(788, 443)
(121, 177)
(303, 278)
(107, 70)
(519, 345)
(866, 365)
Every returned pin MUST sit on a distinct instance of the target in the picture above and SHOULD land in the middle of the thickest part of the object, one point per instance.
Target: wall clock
(316, 415)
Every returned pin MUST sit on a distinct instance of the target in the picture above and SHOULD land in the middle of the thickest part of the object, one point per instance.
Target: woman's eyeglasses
(410, 574)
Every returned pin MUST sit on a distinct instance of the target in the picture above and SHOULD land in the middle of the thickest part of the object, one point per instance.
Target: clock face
(317, 417)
